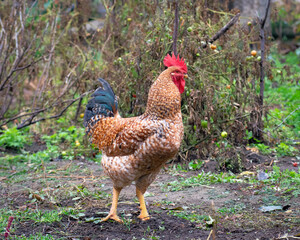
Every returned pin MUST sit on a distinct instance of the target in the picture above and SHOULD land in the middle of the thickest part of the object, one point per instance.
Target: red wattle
(181, 86)
(180, 83)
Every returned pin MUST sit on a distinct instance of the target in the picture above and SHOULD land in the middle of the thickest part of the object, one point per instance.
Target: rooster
(134, 149)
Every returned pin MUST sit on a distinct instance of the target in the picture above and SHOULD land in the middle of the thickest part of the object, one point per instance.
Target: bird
(134, 149)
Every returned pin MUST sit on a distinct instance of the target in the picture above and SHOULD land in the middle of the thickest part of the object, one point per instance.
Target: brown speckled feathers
(134, 149)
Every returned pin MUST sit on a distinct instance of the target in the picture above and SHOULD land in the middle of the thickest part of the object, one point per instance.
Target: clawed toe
(113, 217)
(144, 218)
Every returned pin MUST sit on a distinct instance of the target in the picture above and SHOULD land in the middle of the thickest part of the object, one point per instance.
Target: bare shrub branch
(223, 30)
(34, 79)
(175, 33)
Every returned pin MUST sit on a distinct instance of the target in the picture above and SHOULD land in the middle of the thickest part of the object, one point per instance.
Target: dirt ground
(243, 220)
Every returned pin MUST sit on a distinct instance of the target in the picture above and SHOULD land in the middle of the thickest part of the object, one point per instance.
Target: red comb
(175, 61)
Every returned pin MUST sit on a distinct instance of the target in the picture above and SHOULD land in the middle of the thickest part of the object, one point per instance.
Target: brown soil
(246, 223)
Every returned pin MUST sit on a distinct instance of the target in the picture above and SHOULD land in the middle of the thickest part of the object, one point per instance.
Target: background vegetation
(50, 62)
(51, 54)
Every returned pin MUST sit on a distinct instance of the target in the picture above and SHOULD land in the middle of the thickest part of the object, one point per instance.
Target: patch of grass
(193, 217)
(82, 191)
(181, 212)
(24, 163)
(190, 166)
(37, 216)
(30, 158)
(101, 195)
(282, 92)
(232, 207)
(46, 217)
(280, 187)
(37, 236)
(296, 192)
(72, 212)
(285, 150)
(285, 180)
(201, 179)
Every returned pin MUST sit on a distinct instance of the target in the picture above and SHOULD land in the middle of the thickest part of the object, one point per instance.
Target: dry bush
(55, 62)
(42, 69)
(222, 83)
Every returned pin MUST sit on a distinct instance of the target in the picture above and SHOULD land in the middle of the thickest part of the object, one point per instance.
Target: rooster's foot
(144, 217)
(113, 217)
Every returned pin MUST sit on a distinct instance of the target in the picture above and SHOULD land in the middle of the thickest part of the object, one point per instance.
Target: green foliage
(218, 90)
(195, 164)
(46, 217)
(288, 180)
(29, 214)
(236, 208)
(65, 136)
(283, 179)
(286, 25)
(192, 165)
(32, 158)
(193, 217)
(50, 153)
(72, 212)
(281, 90)
(37, 236)
(264, 149)
(201, 179)
(70, 142)
(14, 138)
(220, 93)
(285, 150)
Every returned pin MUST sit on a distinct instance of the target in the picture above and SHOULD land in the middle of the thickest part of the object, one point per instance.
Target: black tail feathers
(102, 104)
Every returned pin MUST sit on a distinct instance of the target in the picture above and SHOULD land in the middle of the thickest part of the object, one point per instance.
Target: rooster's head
(181, 71)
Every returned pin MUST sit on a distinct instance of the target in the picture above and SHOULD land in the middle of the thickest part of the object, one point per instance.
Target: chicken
(134, 149)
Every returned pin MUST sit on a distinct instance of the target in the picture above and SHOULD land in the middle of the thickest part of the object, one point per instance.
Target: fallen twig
(209, 235)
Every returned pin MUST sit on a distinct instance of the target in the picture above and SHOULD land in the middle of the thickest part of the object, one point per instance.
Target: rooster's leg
(113, 210)
(144, 213)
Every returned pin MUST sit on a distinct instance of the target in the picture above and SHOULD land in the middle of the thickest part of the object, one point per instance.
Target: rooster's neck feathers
(164, 97)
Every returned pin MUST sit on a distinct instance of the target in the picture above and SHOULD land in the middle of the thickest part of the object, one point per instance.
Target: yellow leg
(144, 213)
(113, 210)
